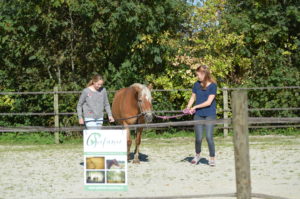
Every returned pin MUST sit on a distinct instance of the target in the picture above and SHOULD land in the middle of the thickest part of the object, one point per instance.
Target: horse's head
(115, 162)
(145, 101)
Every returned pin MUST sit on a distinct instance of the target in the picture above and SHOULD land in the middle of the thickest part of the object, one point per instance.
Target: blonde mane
(144, 90)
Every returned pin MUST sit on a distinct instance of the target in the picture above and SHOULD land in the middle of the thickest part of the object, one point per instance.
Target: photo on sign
(115, 162)
(116, 176)
(95, 177)
(95, 162)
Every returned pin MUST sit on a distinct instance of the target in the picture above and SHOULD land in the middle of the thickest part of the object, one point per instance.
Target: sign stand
(105, 160)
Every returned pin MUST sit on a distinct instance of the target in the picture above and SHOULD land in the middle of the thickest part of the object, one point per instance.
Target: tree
(205, 41)
(271, 37)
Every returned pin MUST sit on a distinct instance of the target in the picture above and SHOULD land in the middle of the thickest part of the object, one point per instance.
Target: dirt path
(57, 171)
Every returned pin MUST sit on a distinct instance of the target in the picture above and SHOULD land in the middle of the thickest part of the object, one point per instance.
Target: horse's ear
(150, 86)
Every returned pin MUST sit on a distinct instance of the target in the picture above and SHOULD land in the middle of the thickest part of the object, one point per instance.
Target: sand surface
(56, 171)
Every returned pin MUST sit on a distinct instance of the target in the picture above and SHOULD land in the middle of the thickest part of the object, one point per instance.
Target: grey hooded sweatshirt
(91, 104)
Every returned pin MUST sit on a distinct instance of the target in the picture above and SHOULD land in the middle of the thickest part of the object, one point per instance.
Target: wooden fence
(225, 110)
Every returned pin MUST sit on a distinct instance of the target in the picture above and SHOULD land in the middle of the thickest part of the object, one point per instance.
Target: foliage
(200, 45)
(269, 30)
(62, 42)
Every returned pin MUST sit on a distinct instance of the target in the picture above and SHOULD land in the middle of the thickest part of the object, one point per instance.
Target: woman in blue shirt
(204, 93)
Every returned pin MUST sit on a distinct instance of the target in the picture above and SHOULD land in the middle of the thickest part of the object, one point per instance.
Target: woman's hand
(192, 110)
(111, 119)
(189, 111)
(81, 121)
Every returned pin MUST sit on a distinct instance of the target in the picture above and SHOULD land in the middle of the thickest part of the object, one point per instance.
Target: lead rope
(184, 112)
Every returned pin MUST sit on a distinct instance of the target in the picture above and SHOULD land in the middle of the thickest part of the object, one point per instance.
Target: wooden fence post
(56, 116)
(225, 109)
(241, 144)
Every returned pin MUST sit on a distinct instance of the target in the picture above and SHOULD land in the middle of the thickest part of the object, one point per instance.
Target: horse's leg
(137, 145)
(129, 142)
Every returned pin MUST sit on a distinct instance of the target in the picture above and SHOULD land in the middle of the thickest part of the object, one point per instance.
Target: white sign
(105, 160)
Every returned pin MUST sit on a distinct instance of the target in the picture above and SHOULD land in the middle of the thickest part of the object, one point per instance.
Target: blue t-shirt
(202, 96)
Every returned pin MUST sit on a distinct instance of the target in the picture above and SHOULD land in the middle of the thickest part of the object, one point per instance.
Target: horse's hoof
(136, 161)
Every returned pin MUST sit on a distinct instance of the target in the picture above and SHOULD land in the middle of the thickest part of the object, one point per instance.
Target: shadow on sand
(142, 157)
(201, 161)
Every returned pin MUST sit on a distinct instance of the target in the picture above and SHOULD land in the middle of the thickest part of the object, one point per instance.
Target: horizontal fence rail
(133, 126)
(174, 111)
(154, 90)
(260, 120)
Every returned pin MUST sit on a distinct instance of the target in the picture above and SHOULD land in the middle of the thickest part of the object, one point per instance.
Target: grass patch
(26, 138)
(276, 131)
(36, 138)
(267, 131)
(47, 138)
(167, 133)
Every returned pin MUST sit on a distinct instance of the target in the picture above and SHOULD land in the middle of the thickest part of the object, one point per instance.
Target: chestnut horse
(132, 105)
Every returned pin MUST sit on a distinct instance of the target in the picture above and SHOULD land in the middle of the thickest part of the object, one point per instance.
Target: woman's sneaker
(212, 163)
(196, 160)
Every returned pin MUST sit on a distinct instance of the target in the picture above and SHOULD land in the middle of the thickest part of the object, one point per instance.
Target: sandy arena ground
(56, 171)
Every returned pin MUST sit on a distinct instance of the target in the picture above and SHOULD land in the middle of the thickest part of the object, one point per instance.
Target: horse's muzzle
(148, 117)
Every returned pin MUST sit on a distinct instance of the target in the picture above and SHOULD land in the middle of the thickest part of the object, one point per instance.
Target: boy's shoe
(196, 160)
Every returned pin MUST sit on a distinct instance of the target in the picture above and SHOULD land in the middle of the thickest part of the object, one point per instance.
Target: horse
(111, 163)
(132, 105)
